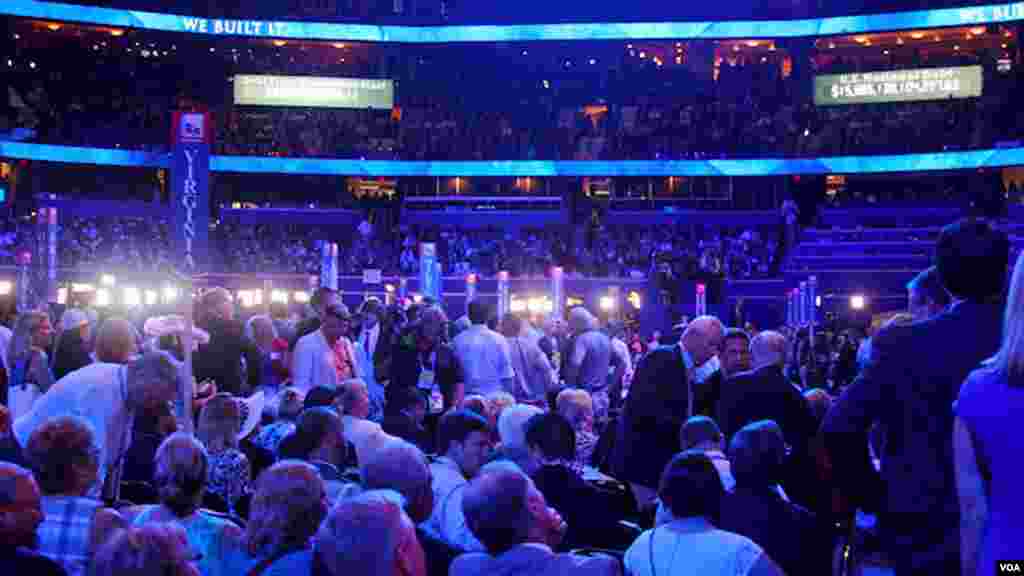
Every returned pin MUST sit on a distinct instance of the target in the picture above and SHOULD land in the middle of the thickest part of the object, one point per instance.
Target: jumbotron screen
(313, 92)
(898, 86)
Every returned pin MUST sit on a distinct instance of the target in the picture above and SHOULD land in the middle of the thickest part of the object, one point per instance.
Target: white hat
(251, 409)
(158, 326)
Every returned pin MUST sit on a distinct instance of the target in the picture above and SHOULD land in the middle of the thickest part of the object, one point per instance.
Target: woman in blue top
(987, 446)
(287, 508)
(181, 465)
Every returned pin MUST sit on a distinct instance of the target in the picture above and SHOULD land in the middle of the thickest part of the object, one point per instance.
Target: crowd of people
(648, 112)
(610, 251)
(392, 440)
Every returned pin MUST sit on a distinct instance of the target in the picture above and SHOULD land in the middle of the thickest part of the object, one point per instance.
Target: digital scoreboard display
(898, 86)
(313, 92)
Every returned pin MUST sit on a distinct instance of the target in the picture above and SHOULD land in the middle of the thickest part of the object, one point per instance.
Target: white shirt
(724, 469)
(98, 394)
(534, 375)
(368, 340)
(313, 363)
(691, 546)
(5, 342)
(447, 522)
(485, 358)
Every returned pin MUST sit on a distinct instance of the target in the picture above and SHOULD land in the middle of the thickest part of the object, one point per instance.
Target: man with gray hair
(589, 359)
(661, 398)
(765, 394)
(368, 534)
(400, 466)
(510, 517)
(107, 396)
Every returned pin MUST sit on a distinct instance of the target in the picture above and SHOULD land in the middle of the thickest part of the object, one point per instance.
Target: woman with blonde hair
(987, 447)
(29, 373)
(230, 474)
(181, 465)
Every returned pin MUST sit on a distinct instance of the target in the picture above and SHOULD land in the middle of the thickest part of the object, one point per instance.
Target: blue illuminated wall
(988, 14)
(329, 166)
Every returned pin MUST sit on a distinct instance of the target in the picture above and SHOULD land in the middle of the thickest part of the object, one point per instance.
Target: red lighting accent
(701, 288)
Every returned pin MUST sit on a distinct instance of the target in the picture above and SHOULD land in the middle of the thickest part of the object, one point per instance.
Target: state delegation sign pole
(190, 193)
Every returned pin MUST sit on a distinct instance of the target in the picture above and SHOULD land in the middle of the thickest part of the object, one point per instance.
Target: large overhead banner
(313, 92)
(945, 17)
(898, 86)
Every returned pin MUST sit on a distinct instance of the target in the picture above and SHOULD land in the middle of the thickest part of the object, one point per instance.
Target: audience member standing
(484, 354)
(987, 447)
(534, 377)
(71, 351)
(324, 357)
(22, 515)
(228, 352)
(107, 396)
(589, 360)
(661, 399)
(765, 394)
(735, 354)
(424, 361)
(322, 299)
(925, 295)
(29, 375)
(909, 384)
(117, 342)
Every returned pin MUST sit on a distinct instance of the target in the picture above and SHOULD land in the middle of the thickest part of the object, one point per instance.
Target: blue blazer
(908, 386)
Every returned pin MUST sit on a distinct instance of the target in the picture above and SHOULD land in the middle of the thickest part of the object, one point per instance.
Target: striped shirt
(65, 531)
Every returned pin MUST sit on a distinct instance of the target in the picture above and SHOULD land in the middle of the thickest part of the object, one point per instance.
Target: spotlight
(301, 297)
(102, 298)
(857, 302)
(5, 288)
(152, 297)
(108, 280)
(279, 296)
(606, 303)
(170, 294)
(62, 295)
(132, 297)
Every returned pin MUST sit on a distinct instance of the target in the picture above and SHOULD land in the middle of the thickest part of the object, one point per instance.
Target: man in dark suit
(221, 358)
(765, 394)
(661, 398)
(908, 386)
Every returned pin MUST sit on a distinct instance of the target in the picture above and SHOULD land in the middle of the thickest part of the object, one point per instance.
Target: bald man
(662, 397)
(765, 394)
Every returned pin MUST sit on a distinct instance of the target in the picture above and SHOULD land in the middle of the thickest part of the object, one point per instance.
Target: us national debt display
(898, 86)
